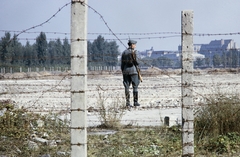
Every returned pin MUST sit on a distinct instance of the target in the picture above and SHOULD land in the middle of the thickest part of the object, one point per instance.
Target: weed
(110, 116)
(216, 124)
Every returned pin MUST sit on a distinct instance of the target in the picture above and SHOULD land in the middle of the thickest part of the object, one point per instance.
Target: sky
(153, 23)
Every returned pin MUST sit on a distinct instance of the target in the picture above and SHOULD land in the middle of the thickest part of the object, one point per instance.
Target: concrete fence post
(187, 84)
(79, 78)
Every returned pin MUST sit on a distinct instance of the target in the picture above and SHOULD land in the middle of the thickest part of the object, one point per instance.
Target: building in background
(217, 47)
(203, 54)
(173, 55)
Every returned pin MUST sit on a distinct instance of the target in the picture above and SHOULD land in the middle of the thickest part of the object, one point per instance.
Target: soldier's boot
(128, 100)
(135, 99)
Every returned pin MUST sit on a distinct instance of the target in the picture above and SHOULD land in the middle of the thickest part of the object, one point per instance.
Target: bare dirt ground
(159, 93)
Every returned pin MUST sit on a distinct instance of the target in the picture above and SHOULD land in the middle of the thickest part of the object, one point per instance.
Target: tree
(229, 58)
(98, 48)
(59, 52)
(4, 51)
(16, 51)
(41, 53)
(207, 61)
(41, 48)
(216, 60)
(199, 62)
(90, 53)
(34, 55)
(102, 53)
(111, 54)
(66, 52)
(147, 61)
(28, 54)
(52, 52)
(224, 59)
(235, 57)
(165, 62)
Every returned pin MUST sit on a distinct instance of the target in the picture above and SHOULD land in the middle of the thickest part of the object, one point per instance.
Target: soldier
(130, 74)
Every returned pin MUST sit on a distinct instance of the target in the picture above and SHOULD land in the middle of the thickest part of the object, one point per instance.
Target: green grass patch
(147, 141)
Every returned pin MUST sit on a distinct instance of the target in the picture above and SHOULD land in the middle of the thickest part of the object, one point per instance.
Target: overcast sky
(151, 18)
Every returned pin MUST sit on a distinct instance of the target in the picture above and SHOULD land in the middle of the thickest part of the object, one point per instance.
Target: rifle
(135, 64)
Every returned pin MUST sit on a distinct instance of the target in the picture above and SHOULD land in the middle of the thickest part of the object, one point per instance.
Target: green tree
(229, 58)
(5, 52)
(235, 57)
(16, 51)
(147, 61)
(42, 53)
(41, 48)
(102, 53)
(98, 48)
(165, 62)
(34, 55)
(90, 54)
(66, 52)
(52, 52)
(59, 52)
(111, 54)
(199, 62)
(216, 60)
(28, 54)
(224, 59)
(207, 61)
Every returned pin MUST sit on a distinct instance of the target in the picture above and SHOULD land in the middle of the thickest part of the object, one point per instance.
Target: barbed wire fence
(47, 92)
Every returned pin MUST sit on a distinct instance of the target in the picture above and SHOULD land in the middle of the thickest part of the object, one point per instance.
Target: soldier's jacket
(127, 63)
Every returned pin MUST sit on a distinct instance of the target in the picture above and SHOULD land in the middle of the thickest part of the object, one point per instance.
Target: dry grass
(217, 124)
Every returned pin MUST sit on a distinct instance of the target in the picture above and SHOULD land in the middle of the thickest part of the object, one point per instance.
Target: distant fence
(31, 69)
(4, 70)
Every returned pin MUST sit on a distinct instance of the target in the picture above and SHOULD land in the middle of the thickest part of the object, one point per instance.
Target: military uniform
(130, 75)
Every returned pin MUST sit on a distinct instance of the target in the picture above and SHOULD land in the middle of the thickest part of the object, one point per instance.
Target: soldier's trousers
(131, 79)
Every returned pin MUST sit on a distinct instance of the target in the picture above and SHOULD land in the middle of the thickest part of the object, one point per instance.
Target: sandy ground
(159, 95)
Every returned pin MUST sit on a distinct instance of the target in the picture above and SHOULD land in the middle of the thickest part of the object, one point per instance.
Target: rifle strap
(134, 56)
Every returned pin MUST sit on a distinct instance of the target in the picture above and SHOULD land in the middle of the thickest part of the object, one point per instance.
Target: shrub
(216, 123)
